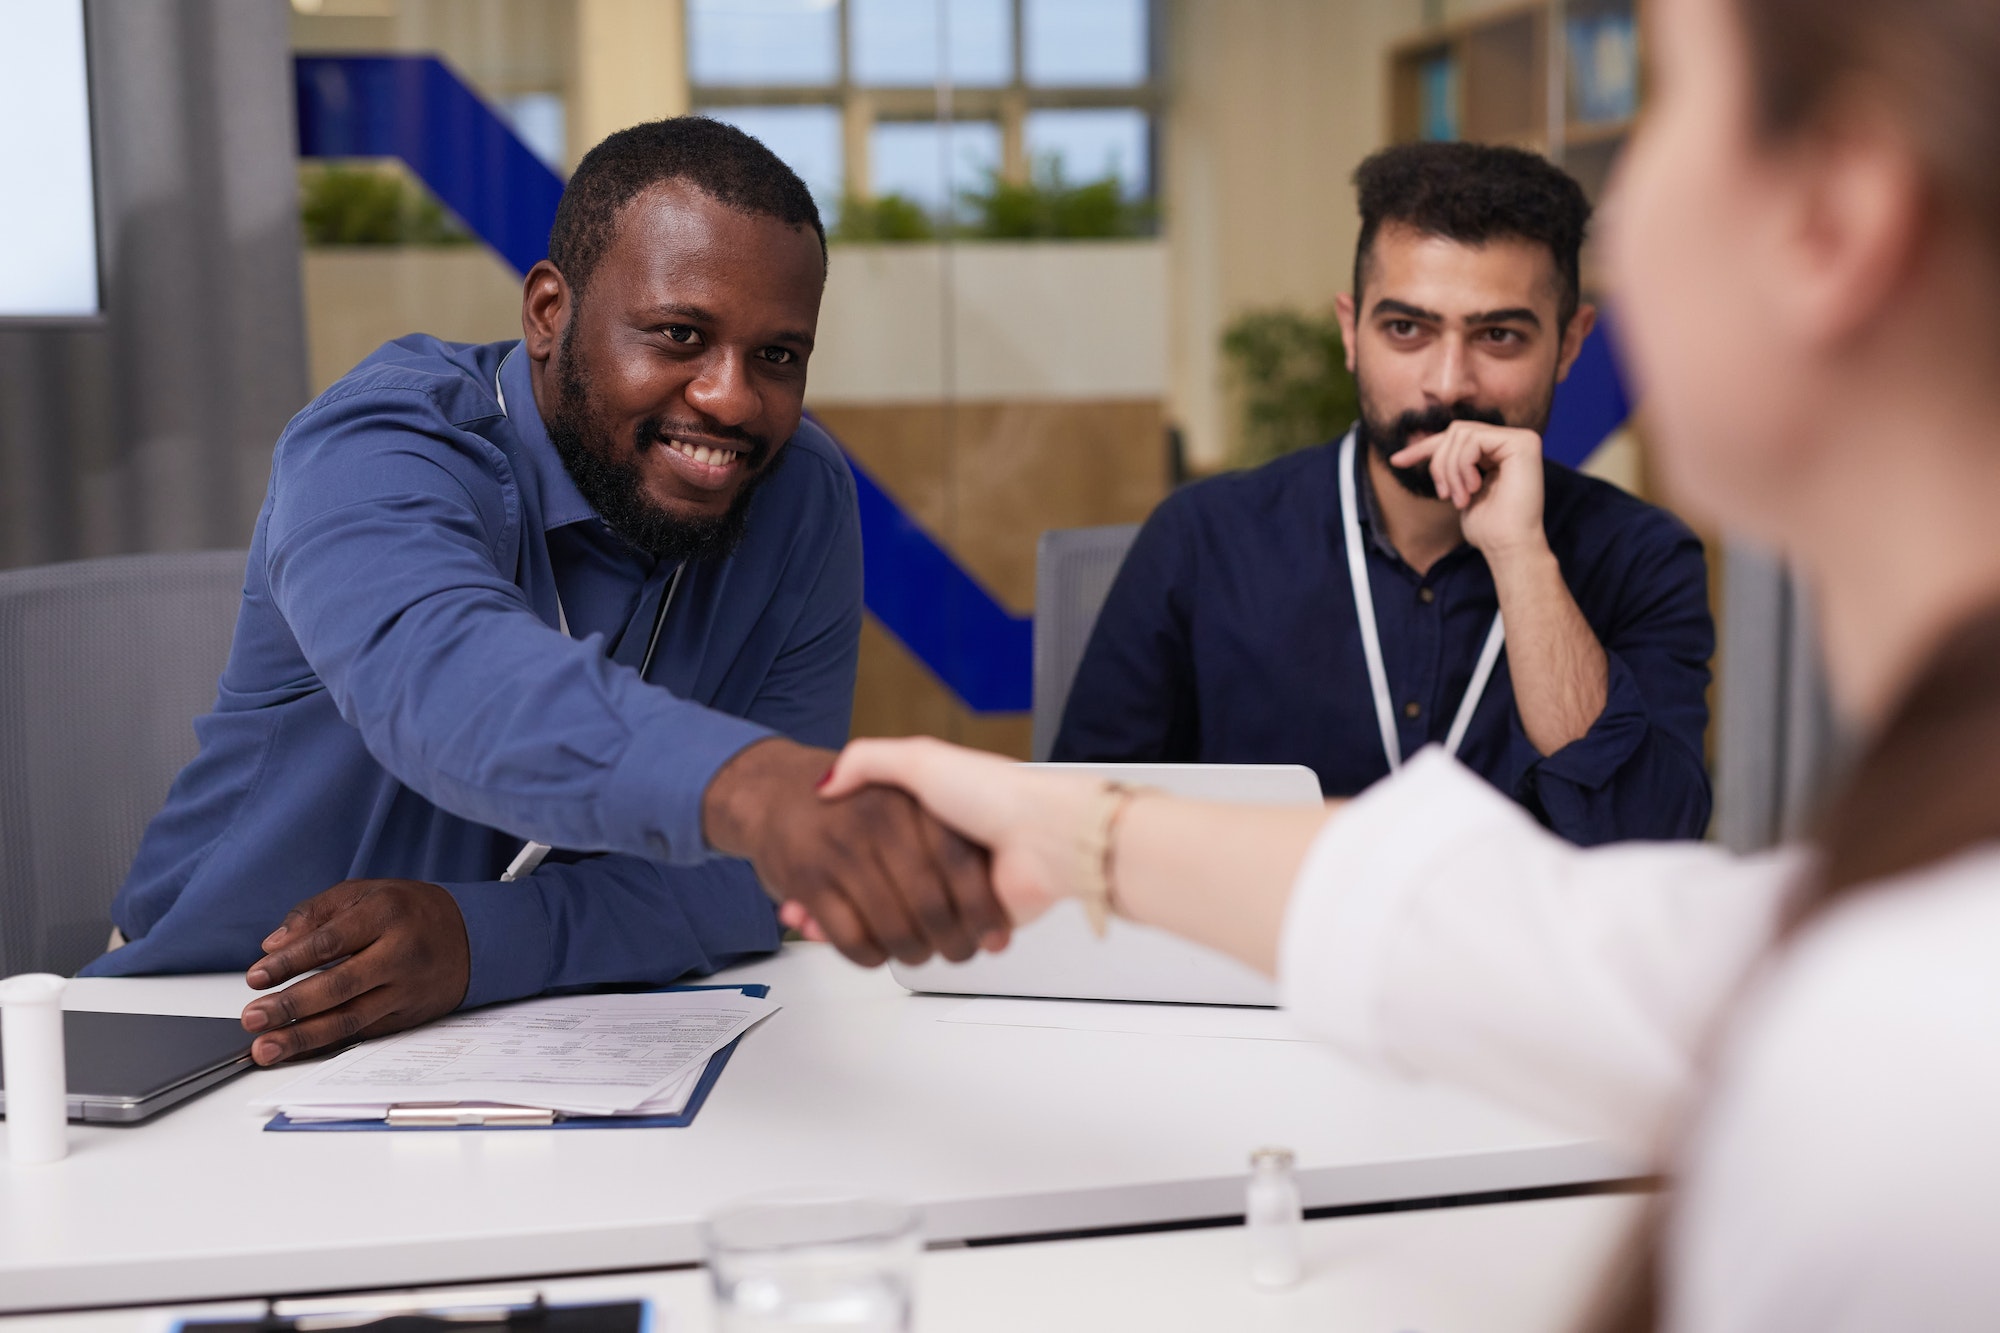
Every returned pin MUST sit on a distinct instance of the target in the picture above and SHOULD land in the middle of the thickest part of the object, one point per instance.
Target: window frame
(861, 106)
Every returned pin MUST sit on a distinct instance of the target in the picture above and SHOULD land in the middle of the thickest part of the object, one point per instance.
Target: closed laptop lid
(129, 1059)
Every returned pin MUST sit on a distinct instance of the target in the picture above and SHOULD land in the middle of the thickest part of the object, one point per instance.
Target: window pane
(894, 43)
(908, 158)
(805, 138)
(540, 121)
(1093, 144)
(763, 41)
(1071, 43)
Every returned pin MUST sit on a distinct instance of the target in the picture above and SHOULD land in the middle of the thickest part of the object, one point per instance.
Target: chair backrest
(103, 666)
(1074, 568)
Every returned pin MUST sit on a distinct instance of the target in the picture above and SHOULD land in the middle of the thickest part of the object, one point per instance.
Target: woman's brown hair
(1928, 787)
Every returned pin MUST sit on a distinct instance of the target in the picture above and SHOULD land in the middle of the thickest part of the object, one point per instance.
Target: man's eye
(682, 333)
(1401, 328)
(779, 356)
(1503, 337)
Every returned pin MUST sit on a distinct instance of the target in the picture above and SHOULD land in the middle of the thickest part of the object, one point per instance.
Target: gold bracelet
(1097, 854)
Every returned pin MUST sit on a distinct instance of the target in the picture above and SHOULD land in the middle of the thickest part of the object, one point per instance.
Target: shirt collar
(562, 502)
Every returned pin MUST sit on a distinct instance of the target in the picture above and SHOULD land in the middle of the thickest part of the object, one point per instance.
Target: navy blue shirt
(399, 702)
(1231, 636)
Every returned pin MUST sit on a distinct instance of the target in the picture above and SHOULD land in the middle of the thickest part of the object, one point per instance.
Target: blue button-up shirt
(1231, 636)
(399, 702)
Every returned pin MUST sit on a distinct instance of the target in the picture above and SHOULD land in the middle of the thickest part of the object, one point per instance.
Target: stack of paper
(577, 1055)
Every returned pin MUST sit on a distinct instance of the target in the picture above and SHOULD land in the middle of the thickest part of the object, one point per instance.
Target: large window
(930, 99)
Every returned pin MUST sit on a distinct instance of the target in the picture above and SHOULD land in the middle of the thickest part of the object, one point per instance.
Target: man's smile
(704, 464)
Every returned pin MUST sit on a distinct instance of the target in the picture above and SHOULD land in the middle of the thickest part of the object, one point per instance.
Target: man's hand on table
(394, 953)
(882, 878)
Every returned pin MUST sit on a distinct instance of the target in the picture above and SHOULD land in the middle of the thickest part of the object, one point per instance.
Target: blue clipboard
(283, 1124)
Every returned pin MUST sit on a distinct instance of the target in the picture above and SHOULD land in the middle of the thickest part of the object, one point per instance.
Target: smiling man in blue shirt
(1430, 578)
(598, 589)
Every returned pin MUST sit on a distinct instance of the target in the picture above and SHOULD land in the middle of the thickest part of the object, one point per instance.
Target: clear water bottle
(1274, 1220)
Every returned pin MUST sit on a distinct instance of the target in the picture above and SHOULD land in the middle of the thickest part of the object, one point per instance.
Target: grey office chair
(103, 666)
(1074, 568)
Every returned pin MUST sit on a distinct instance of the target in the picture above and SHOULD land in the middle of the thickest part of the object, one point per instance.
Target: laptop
(125, 1067)
(1057, 957)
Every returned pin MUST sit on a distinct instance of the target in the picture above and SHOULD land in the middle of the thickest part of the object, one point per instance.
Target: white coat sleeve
(1436, 927)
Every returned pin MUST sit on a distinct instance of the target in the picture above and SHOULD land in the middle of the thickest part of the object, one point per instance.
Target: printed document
(580, 1054)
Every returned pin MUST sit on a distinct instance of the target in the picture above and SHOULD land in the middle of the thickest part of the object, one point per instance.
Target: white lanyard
(530, 856)
(1371, 639)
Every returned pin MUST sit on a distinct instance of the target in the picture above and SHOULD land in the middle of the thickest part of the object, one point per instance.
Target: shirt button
(1426, 596)
(1412, 709)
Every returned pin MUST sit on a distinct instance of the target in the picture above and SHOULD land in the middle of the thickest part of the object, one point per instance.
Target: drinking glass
(797, 1262)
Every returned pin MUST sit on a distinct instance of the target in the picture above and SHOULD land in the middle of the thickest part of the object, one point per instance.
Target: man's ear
(1343, 310)
(1580, 325)
(545, 310)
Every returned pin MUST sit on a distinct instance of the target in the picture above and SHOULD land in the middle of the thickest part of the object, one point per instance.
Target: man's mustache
(1438, 417)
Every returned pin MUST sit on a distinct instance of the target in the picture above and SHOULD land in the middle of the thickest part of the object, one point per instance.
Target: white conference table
(854, 1085)
(1495, 1268)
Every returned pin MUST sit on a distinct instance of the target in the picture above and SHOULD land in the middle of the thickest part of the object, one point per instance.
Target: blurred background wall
(151, 429)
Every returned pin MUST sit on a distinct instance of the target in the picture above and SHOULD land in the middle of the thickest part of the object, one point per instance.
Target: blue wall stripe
(417, 109)
(1591, 403)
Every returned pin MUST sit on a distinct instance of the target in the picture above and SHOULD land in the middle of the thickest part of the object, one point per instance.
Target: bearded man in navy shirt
(1430, 578)
(545, 646)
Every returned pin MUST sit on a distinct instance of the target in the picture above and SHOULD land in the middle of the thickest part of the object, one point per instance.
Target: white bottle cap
(33, 988)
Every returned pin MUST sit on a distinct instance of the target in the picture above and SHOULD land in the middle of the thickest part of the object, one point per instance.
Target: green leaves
(1289, 370)
(367, 205)
(1047, 207)
(888, 217)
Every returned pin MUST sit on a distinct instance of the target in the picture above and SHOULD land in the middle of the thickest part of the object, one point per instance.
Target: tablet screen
(130, 1057)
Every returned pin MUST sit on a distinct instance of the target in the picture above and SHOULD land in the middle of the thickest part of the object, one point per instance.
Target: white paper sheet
(670, 1100)
(1154, 1020)
(586, 1054)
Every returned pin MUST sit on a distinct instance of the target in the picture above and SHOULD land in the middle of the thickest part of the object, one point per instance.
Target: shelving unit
(1559, 77)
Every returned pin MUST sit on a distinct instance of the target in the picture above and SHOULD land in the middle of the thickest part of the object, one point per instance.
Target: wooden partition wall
(986, 479)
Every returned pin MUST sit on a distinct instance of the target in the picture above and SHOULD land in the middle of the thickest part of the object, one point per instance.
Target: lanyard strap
(1371, 638)
(531, 854)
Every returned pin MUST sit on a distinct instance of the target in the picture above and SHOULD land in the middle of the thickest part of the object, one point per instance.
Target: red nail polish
(825, 778)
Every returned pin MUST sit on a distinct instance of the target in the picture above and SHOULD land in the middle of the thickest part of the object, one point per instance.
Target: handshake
(864, 867)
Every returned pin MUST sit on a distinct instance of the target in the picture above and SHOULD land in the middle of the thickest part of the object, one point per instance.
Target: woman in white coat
(1805, 245)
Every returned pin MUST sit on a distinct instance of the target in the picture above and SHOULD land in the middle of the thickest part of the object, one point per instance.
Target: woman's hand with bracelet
(1042, 828)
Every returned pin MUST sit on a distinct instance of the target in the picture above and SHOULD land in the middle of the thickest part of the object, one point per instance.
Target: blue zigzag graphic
(417, 109)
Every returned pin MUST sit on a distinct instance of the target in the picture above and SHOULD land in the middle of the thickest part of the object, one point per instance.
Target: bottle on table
(1274, 1220)
(32, 1067)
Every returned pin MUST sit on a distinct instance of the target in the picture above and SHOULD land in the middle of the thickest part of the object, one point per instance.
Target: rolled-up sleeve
(1434, 926)
(1640, 771)
(391, 540)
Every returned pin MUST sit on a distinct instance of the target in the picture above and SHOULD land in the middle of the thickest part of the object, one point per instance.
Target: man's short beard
(616, 488)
